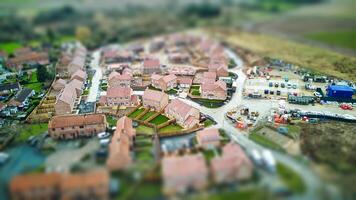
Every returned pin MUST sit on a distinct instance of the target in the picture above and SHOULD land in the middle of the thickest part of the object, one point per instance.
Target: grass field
(345, 39)
(313, 58)
(31, 130)
(210, 103)
(251, 194)
(291, 179)
(144, 130)
(136, 113)
(35, 86)
(208, 123)
(111, 120)
(147, 115)
(260, 139)
(170, 128)
(159, 120)
(9, 47)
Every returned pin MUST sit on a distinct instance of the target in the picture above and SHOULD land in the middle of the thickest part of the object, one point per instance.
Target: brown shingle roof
(31, 181)
(154, 95)
(76, 120)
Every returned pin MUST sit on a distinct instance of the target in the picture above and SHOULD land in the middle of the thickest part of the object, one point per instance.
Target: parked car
(266, 91)
(271, 92)
(3, 158)
(276, 85)
(283, 85)
(270, 84)
(103, 135)
(346, 106)
(317, 94)
(294, 86)
(278, 92)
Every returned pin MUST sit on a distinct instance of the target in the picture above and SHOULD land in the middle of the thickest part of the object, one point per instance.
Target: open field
(291, 179)
(9, 47)
(313, 58)
(31, 130)
(344, 39)
(264, 141)
(332, 146)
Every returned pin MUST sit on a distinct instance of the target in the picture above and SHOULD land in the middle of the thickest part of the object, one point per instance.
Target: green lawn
(209, 154)
(345, 39)
(136, 113)
(260, 139)
(170, 128)
(172, 91)
(147, 115)
(148, 191)
(111, 121)
(35, 86)
(33, 83)
(86, 92)
(29, 130)
(291, 178)
(9, 47)
(153, 88)
(250, 194)
(195, 87)
(210, 103)
(195, 92)
(232, 64)
(159, 120)
(144, 130)
(208, 123)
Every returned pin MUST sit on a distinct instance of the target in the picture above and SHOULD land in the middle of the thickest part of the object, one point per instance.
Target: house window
(53, 129)
(81, 126)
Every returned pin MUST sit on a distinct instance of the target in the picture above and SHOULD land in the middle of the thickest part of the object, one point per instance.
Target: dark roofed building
(21, 98)
(9, 87)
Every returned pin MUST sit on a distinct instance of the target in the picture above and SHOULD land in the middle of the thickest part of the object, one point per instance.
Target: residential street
(94, 89)
(311, 180)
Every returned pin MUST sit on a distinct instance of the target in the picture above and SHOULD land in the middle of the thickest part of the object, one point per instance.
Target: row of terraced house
(72, 65)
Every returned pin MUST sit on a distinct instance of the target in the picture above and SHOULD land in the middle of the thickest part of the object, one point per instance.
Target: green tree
(42, 73)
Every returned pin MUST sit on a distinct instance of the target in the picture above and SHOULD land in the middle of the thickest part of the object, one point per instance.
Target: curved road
(312, 181)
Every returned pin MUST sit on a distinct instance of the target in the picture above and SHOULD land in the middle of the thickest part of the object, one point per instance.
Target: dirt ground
(332, 146)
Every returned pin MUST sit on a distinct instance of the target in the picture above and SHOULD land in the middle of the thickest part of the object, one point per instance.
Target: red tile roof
(214, 86)
(154, 95)
(151, 63)
(115, 92)
(208, 135)
(31, 181)
(76, 120)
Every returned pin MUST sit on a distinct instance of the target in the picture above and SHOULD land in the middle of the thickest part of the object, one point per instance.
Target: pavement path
(94, 89)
